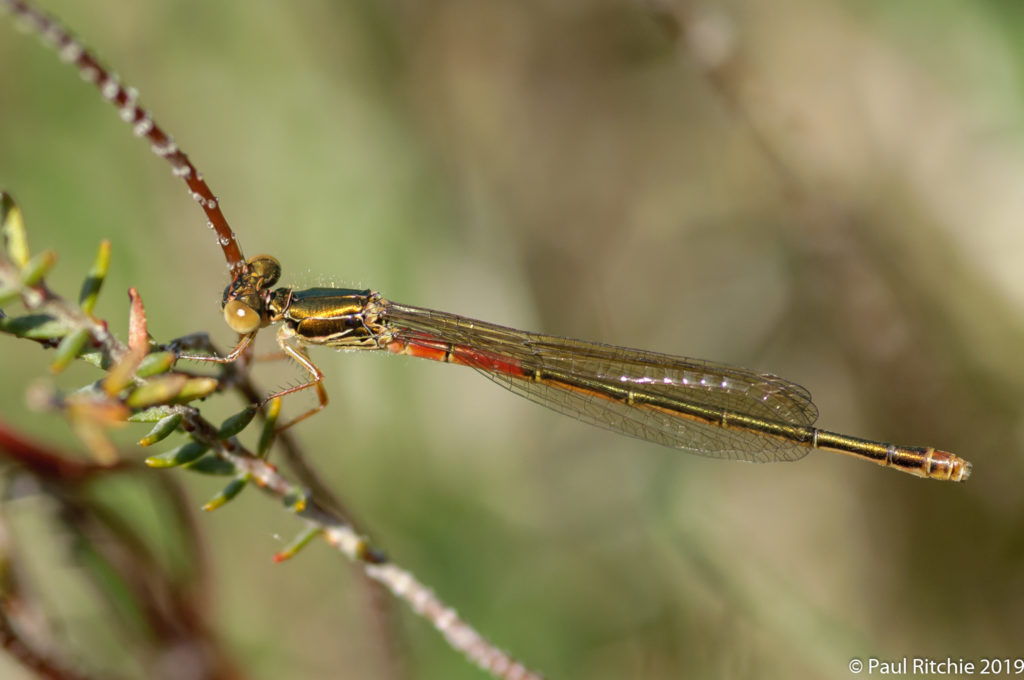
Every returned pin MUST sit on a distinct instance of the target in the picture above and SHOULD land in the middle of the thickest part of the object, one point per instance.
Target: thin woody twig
(459, 634)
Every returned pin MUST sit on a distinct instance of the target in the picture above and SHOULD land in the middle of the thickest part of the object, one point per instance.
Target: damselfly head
(245, 298)
(265, 269)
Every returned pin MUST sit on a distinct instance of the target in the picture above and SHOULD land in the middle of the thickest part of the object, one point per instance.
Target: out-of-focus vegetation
(827, 190)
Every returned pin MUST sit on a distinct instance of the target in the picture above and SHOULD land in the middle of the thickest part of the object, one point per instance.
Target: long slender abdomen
(438, 350)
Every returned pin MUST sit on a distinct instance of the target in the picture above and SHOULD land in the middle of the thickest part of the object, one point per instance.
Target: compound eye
(241, 317)
(266, 268)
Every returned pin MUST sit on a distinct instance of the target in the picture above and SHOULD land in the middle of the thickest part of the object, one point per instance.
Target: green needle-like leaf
(236, 423)
(69, 348)
(163, 428)
(151, 415)
(34, 327)
(155, 364)
(94, 280)
(197, 388)
(300, 542)
(233, 488)
(213, 465)
(157, 391)
(38, 267)
(269, 428)
(184, 454)
(12, 225)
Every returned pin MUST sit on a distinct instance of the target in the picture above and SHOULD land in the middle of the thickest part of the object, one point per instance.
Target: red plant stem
(47, 463)
(72, 52)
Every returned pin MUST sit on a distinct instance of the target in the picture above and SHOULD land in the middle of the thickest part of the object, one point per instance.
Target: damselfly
(699, 406)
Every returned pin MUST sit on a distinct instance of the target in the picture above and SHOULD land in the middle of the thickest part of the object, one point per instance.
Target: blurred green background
(830, 191)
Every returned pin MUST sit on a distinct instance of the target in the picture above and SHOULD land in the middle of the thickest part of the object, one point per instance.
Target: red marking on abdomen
(436, 350)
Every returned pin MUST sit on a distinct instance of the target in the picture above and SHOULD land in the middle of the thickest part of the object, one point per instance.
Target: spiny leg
(272, 356)
(290, 349)
(232, 356)
(293, 349)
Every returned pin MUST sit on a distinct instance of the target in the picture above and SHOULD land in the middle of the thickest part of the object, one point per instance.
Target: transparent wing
(601, 371)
